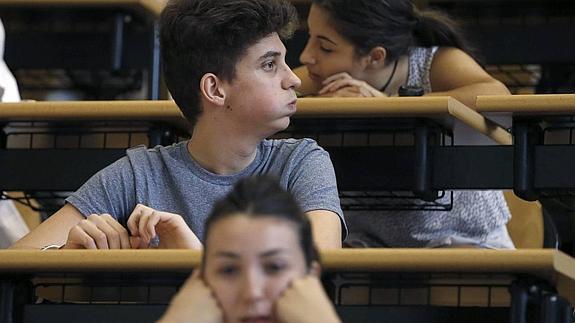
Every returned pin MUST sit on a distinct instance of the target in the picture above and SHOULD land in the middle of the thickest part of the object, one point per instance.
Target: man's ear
(212, 89)
(315, 269)
(377, 56)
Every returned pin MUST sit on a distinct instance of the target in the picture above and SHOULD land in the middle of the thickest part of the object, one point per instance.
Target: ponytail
(396, 25)
(434, 28)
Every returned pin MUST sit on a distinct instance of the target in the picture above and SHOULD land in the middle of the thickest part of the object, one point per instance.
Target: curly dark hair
(211, 36)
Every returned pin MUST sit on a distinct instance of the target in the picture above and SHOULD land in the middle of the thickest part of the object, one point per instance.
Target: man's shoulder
(290, 144)
(292, 151)
(142, 153)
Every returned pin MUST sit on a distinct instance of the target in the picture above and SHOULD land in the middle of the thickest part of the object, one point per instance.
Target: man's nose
(291, 80)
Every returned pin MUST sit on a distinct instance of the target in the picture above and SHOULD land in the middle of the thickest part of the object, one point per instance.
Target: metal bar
(118, 42)
(6, 301)
(555, 309)
(357, 168)
(423, 165)
(519, 300)
(154, 72)
(526, 135)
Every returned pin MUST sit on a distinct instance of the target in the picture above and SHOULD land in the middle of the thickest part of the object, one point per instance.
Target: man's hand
(98, 232)
(173, 232)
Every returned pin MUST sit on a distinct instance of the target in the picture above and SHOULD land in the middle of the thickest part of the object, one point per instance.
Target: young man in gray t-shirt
(224, 64)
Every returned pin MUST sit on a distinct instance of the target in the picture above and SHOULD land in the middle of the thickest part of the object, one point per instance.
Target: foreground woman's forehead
(263, 254)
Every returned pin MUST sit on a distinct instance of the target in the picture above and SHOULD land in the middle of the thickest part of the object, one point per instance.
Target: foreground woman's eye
(227, 270)
(274, 268)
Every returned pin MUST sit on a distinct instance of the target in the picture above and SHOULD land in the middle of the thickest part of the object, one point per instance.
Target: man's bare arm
(326, 229)
(52, 231)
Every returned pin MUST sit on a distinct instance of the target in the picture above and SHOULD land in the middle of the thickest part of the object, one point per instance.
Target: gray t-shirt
(168, 179)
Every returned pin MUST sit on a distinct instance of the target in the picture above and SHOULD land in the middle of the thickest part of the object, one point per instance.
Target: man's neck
(220, 150)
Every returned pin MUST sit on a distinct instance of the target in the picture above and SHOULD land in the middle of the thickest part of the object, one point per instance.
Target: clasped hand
(102, 231)
(344, 85)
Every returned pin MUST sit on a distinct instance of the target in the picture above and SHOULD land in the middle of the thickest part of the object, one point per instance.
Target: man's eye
(268, 66)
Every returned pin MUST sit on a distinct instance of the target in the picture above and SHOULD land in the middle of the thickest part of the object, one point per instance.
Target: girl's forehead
(241, 232)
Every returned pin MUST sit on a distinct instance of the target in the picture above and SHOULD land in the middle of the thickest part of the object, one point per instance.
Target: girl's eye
(274, 268)
(325, 50)
(227, 270)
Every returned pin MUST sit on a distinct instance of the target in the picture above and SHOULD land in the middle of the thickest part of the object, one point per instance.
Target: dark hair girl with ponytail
(373, 47)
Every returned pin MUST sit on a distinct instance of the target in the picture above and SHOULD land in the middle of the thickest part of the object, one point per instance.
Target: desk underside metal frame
(359, 297)
(424, 166)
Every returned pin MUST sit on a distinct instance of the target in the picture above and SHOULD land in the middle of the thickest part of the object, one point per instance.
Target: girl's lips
(314, 77)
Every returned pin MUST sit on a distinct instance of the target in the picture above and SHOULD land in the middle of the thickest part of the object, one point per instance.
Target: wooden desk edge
(435, 260)
(480, 123)
(531, 103)
(554, 266)
(307, 107)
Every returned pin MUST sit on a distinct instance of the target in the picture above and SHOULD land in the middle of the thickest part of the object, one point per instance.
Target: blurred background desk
(367, 285)
(104, 49)
(107, 49)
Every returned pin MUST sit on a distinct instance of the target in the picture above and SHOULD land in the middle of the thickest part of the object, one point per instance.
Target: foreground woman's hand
(195, 302)
(305, 301)
(146, 224)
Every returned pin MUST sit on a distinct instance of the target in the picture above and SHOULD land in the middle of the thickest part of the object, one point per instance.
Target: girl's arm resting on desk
(326, 229)
(455, 73)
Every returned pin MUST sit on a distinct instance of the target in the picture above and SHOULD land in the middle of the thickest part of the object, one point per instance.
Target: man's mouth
(293, 105)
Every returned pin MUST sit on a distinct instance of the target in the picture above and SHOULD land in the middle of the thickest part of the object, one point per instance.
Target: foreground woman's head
(257, 241)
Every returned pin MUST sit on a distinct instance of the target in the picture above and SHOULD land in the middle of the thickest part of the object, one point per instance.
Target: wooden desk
(551, 265)
(459, 266)
(443, 109)
(527, 105)
(544, 147)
